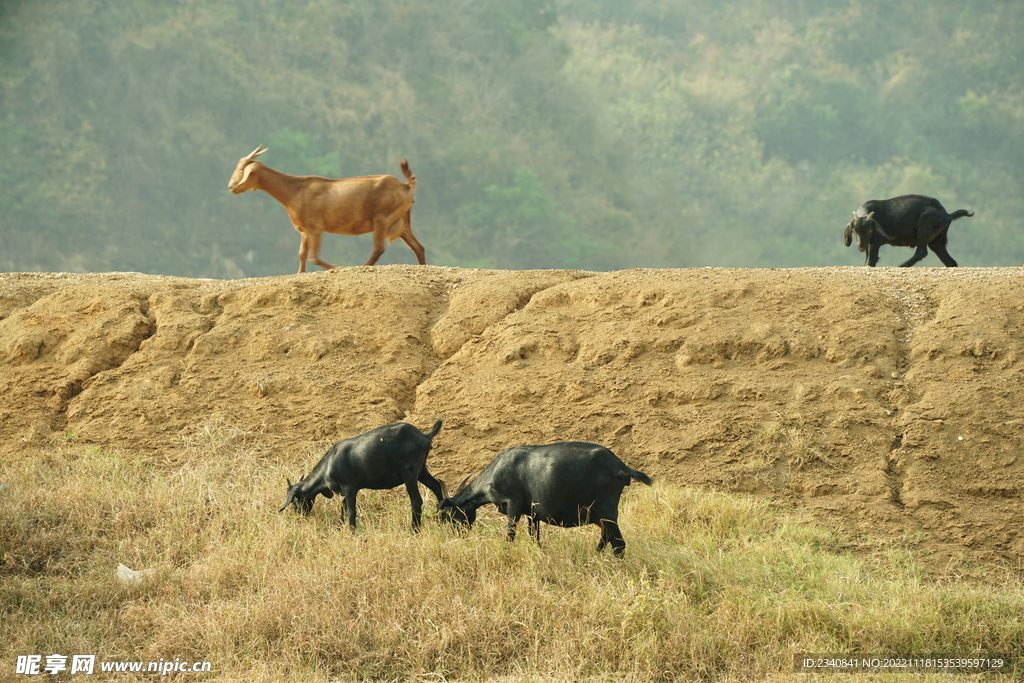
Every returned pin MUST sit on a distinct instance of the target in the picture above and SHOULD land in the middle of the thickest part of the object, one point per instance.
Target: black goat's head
(296, 497)
(450, 512)
(864, 228)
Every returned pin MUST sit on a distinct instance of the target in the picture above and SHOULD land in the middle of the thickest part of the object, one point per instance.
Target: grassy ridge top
(713, 585)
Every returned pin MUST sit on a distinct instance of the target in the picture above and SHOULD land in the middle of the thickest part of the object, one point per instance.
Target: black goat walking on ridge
(908, 221)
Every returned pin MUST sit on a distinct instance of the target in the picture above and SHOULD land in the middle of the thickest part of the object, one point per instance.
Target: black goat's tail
(641, 477)
(961, 213)
(434, 430)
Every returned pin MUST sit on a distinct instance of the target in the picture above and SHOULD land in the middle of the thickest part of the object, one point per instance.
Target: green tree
(519, 227)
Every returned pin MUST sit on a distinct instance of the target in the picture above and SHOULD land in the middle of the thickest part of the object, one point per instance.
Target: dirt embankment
(889, 400)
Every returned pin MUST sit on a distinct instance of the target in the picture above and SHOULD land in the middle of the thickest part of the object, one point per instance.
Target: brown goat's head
(240, 179)
(864, 228)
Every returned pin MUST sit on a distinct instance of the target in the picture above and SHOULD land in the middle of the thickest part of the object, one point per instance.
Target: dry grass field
(714, 586)
(836, 456)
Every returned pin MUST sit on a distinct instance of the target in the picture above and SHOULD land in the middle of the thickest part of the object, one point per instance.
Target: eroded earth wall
(888, 399)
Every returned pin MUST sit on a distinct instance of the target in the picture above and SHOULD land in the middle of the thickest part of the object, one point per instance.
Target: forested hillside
(588, 134)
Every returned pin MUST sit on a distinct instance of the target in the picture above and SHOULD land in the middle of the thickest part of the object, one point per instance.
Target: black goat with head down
(382, 458)
(908, 221)
(569, 483)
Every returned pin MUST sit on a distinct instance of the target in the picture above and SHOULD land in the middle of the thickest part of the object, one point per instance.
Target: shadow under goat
(569, 483)
(381, 458)
(911, 220)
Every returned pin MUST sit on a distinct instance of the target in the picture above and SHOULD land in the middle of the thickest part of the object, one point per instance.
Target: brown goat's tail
(409, 177)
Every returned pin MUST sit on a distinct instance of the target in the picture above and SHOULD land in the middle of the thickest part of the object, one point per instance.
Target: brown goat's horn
(256, 152)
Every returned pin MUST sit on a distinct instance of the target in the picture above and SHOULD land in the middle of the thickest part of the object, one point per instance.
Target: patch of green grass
(713, 586)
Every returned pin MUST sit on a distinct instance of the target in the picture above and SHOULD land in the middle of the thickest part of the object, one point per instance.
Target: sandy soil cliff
(888, 400)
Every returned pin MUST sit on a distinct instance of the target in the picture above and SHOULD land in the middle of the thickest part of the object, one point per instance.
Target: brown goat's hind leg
(417, 248)
(378, 244)
(314, 248)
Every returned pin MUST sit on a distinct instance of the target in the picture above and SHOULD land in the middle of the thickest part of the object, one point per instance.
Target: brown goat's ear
(246, 173)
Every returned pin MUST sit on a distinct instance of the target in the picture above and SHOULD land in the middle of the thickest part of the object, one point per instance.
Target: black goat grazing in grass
(382, 458)
(908, 221)
(570, 483)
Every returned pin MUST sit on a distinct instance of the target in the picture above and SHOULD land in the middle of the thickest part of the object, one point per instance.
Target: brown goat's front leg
(414, 244)
(303, 250)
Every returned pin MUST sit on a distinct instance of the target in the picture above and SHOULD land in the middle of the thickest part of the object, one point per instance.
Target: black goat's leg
(416, 500)
(350, 508)
(534, 523)
(927, 230)
(510, 529)
(610, 534)
(432, 483)
(939, 249)
(873, 254)
(919, 254)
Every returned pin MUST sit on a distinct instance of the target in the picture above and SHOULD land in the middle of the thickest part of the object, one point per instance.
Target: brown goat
(381, 204)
